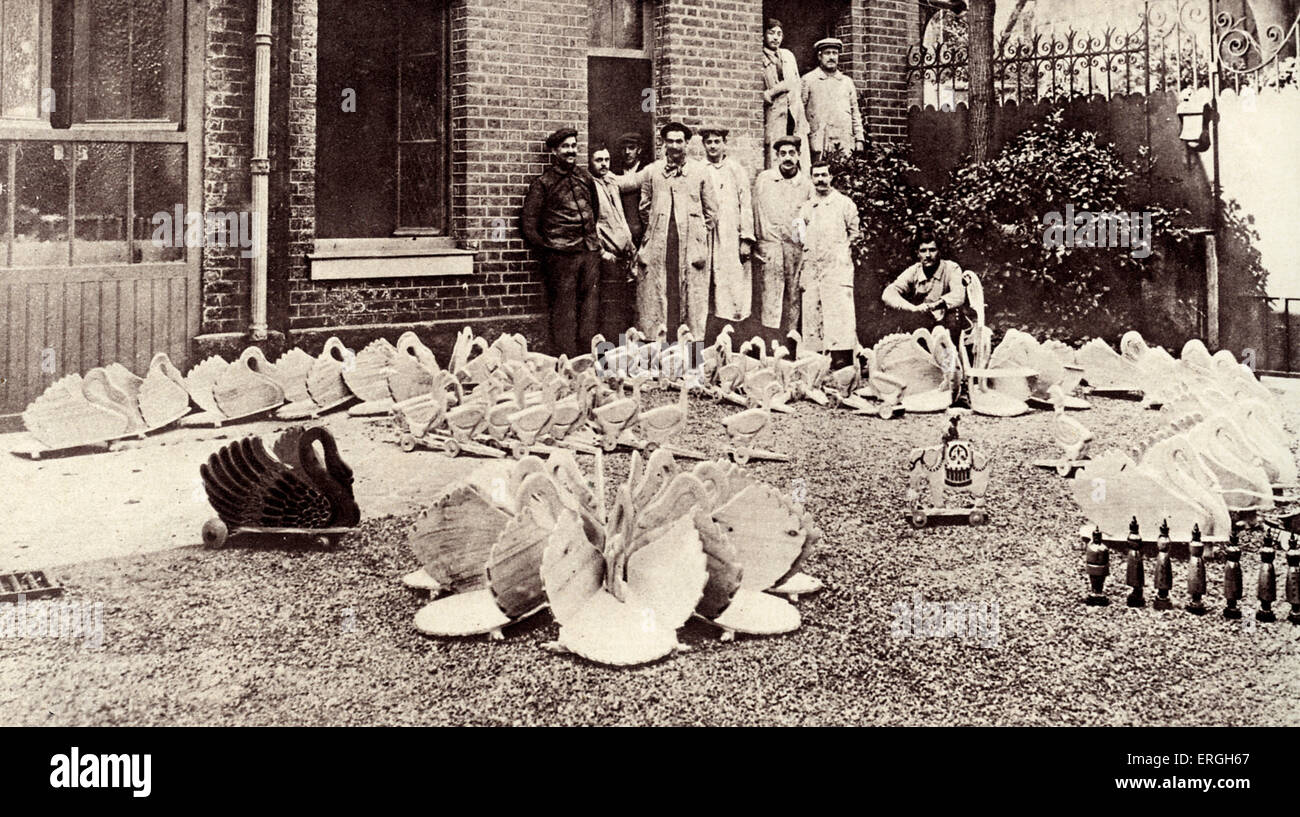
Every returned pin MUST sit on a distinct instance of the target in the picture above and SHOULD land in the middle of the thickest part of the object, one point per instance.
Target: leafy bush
(991, 217)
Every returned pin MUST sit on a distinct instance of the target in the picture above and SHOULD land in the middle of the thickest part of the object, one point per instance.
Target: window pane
(41, 215)
(150, 57)
(110, 53)
(420, 120)
(20, 59)
(133, 58)
(614, 24)
(159, 189)
(421, 186)
(101, 204)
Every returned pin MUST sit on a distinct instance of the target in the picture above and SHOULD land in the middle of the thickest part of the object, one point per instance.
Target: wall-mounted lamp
(1194, 114)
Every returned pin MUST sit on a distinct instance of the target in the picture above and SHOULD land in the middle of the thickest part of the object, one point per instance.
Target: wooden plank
(143, 326)
(107, 321)
(16, 369)
(52, 348)
(125, 349)
(90, 320)
(158, 332)
(176, 323)
(5, 385)
(72, 316)
(34, 341)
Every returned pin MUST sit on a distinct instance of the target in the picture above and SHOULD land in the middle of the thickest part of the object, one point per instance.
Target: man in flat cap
(778, 193)
(679, 207)
(831, 102)
(560, 217)
(783, 113)
(630, 146)
(732, 239)
(829, 225)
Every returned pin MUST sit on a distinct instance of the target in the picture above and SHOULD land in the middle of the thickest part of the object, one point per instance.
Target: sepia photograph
(886, 363)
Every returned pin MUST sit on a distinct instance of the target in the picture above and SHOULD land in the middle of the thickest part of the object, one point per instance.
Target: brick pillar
(519, 72)
(708, 69)
(876, 35)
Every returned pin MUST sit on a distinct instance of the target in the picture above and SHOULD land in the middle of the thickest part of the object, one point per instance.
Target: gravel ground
(289, 634)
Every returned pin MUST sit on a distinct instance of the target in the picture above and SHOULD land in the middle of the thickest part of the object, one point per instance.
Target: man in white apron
(732, 238)
(829, 223)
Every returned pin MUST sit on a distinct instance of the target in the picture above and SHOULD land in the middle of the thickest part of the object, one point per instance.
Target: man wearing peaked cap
(830, 101)
(560, 217)
(631, 145)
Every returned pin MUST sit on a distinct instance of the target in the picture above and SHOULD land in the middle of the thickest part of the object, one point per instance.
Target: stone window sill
(337, 259)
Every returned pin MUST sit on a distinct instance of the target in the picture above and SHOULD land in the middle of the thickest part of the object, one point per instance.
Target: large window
(91, 141)
(382, 108)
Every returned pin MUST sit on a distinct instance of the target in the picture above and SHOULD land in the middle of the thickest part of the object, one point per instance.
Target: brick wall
(709, 70)
(877, 34)
(227, 146)
(518, 71)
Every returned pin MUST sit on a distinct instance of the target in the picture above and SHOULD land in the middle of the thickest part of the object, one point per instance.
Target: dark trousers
(573, 297)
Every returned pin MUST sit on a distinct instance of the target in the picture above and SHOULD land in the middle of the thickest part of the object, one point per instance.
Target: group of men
(698, 227)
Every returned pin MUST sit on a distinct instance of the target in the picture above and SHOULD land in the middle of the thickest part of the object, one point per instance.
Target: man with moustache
(616, 244)
(778, 193)
(830, 101)
(560, 218)
(934, 285)
(732, 239)
(679, 208)
(829, 222)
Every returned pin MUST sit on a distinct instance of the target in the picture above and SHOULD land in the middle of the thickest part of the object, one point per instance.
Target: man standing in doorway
(560, 218)
(616, 244)
(829, 221)
(782, 96)
(778, 193)
(679, 208)
(830, 100)
(732, 240)
(631, 147)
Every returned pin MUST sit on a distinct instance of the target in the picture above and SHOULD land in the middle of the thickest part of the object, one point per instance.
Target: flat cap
(631, 138)
(672, 126)
(555, 139)
(793, 141)
(718, 129)
(829, 42)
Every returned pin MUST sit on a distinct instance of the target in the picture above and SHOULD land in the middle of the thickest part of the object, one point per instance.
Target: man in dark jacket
(560, 217)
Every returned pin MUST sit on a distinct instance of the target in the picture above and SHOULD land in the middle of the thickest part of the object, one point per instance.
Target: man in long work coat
(829, 223)
(830, 101)
(783, 113)
(778, 193)
(732, 240)
(679, 209)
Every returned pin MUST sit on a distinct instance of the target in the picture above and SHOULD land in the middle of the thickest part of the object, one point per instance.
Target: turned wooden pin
(1196, 573)
(1232, 577)
(1098, 561)
(1135, 575)
(1266, 587)
(1293, 579)
(1164, 578)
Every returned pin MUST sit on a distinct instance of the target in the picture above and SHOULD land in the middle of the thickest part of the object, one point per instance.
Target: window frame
(80, 78)
(187, 132)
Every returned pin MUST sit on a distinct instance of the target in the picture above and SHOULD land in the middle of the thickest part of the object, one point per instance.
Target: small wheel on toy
(323, 541)
(651, 446)
(608, 444)
(918, 519)
(407, 443)
(451, 448)
(215, 533)
(978, 517)
(1065, 469)
(517, 449)
(740, 456)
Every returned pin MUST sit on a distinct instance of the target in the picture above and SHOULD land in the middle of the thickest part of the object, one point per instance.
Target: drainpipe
(260, 165)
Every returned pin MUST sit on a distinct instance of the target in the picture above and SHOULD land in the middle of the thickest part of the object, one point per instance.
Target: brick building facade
(478, 85)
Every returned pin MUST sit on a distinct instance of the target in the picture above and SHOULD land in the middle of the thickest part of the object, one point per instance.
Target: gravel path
(295, 635)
